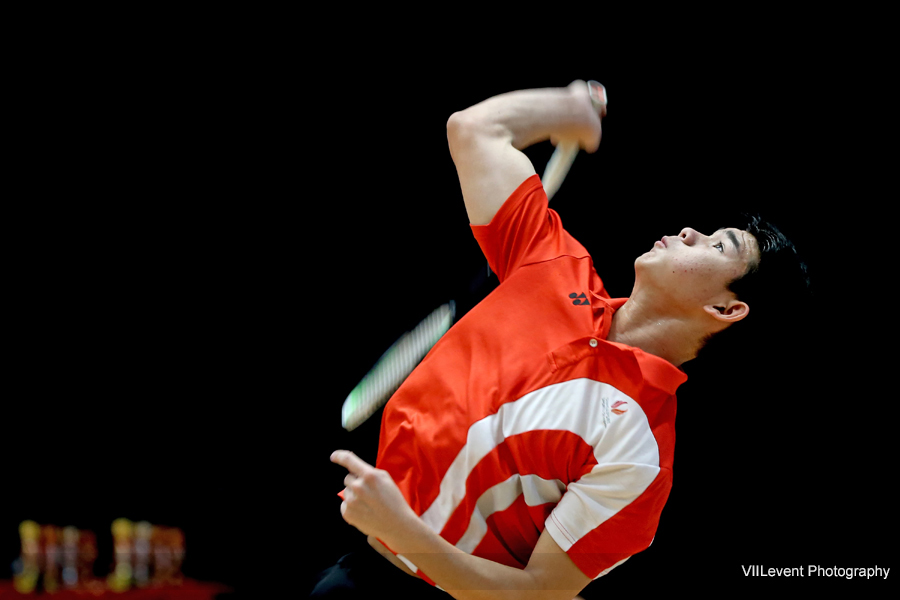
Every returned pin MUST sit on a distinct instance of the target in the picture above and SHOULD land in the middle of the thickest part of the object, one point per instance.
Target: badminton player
(531, 451)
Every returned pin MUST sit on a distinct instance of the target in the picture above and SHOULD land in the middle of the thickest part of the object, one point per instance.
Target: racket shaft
(558, 166)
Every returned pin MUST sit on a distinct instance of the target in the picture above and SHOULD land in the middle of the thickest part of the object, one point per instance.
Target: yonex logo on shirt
(579, 300)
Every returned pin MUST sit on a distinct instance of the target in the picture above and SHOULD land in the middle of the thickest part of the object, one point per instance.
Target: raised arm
(487, 139)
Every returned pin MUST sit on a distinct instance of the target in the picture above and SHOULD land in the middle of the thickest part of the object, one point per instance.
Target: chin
(643, 259)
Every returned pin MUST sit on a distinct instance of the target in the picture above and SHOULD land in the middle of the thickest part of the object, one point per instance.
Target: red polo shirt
(523, 417)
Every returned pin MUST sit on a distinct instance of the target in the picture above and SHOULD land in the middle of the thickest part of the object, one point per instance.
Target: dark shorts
(367, 574)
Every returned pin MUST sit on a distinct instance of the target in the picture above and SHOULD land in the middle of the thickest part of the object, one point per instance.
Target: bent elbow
(459, 132)
(467, 129)
(460, 126)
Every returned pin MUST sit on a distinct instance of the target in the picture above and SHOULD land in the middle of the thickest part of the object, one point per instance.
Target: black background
(215, 234)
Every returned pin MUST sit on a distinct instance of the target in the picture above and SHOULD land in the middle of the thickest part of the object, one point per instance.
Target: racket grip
(597, 90)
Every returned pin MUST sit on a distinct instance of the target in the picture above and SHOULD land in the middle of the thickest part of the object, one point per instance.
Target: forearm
(462, 575)
(527, 117)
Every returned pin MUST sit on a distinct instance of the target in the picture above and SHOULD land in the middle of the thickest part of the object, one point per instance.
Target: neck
(672, 337)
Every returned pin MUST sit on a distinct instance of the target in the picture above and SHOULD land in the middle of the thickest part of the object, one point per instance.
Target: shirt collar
(657, 371)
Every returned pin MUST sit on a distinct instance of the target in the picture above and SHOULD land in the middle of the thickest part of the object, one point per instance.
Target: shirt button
(593, 343)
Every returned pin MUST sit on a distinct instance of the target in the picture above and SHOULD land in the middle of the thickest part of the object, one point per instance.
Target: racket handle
(599, 97)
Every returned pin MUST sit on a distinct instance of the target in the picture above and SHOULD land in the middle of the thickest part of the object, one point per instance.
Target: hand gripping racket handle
(564, 155)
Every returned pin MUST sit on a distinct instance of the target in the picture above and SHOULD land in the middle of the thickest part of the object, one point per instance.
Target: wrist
(410, 536)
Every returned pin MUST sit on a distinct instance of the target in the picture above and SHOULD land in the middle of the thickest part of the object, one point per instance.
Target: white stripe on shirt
(623, 445)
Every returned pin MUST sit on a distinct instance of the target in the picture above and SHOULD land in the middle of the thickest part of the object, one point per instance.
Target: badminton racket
(398, 361)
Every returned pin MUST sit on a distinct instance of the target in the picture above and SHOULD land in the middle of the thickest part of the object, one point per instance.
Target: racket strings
(394, 366)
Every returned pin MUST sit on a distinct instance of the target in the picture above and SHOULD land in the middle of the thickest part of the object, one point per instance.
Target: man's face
(693, 270)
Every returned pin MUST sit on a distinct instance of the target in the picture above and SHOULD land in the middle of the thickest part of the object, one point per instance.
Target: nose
(688, 235)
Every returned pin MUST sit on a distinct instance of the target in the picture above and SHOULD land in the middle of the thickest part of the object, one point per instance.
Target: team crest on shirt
(619, 407)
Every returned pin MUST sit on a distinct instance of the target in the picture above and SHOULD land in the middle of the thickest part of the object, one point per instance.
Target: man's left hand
(372, 501)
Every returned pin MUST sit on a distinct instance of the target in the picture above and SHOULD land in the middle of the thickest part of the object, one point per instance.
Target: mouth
(661, 243)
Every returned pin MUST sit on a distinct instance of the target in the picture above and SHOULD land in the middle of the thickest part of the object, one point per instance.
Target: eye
(720, 246)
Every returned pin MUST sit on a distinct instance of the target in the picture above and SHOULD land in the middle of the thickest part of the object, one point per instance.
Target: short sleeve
(525, 231)
(597, 525)
(612, 510)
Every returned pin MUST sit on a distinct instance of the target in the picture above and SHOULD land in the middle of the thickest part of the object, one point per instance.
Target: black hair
(779, 271)
(775, 287)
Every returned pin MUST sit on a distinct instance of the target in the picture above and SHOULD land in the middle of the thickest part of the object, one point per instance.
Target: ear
(730, 312)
